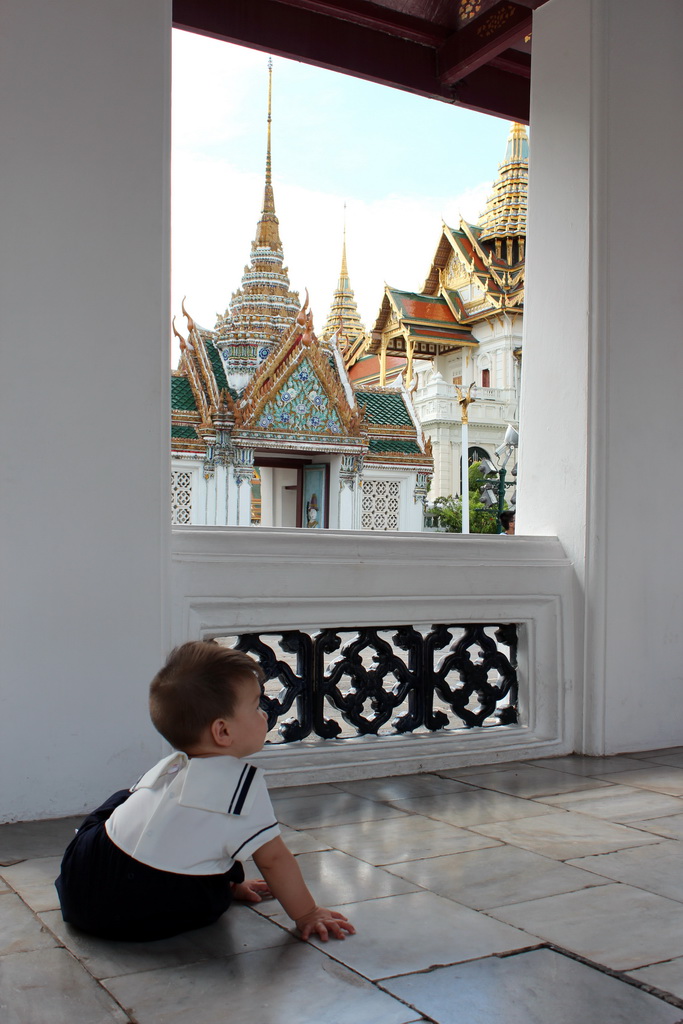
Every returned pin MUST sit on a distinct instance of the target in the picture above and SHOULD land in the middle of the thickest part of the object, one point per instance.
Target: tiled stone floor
(545, 892)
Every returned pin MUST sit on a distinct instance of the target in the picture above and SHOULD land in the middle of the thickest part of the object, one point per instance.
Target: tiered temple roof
(344, 319)
(264, 308)
(477, 272)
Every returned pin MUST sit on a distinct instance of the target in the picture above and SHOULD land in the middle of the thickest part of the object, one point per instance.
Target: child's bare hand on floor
(252, 891)
(323, 923)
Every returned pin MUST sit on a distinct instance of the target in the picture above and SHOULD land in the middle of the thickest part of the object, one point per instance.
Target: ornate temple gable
(297, 397)
(417, 325)
(444, 251)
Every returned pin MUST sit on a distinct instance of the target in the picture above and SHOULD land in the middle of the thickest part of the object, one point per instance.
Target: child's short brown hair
(198, 684)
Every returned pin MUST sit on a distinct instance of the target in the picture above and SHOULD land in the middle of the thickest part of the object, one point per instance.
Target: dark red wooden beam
(513, 61)
(489, 90)
(378, 49)
(383, 19)
(316, 38)
(484, 38)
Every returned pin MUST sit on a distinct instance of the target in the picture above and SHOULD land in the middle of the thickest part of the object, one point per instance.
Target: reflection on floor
(543, 892)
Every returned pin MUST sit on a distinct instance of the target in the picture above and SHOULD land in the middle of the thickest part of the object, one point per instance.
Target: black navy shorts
(105, 892)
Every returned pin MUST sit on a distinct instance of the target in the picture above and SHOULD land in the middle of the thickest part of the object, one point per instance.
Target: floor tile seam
(631, 885)
(558, 810)
(327, 950)
(36, 914)
(541, 944)
(667, 997)
(533, 899)
(435, 856)
(589, 793)
(44, 926)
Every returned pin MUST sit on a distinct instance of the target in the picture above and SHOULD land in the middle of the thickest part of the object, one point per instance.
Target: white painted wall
(603, 288)
(84, 280)
(84, 283)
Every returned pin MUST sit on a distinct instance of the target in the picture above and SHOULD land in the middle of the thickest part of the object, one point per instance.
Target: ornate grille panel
(181, 497)
(384, 681)
(379, 509)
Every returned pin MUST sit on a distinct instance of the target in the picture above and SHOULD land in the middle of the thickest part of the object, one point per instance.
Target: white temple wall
(83, 578)
(604, 191)
(84, 280)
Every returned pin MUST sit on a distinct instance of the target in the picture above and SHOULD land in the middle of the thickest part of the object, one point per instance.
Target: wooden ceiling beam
(318, 39)
(491, 91)
(310, 31)
(371, 15)
(514, 62)
(483, 39)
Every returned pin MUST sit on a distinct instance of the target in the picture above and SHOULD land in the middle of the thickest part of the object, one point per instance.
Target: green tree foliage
(447, 512)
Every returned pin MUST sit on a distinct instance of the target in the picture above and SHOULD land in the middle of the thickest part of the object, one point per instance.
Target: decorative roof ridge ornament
(183, 341)
(190, 322)
(301, 344)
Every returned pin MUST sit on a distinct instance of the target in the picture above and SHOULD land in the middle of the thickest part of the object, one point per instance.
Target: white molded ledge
(230, 580)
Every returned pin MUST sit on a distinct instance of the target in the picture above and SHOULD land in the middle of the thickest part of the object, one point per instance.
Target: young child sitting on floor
(165, 856)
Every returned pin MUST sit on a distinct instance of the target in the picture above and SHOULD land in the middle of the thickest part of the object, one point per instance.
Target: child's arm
(285, 881)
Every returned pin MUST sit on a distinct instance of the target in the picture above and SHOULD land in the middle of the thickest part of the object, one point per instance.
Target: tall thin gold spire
(270, 118)
(267, 233)
(264, 308)
(344, 269)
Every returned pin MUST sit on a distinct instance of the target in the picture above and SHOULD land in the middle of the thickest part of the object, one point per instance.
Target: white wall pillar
(603, 275)
(84, 283)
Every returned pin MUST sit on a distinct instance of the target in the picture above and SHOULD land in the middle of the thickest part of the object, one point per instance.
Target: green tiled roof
(217, 365)
(186, 432)
(399, 447)
(181, 395)
(384, 408)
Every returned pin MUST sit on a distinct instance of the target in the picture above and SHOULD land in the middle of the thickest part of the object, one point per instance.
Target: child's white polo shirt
(195, 816)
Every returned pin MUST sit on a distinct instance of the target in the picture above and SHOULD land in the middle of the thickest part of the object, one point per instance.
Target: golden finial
(190, 321)
(344, 268)
(270, 117)
(177, 333)
(465, 400)
(267, 233)
(301, 315)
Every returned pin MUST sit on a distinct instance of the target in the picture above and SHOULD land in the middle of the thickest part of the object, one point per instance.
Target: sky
(402, 164)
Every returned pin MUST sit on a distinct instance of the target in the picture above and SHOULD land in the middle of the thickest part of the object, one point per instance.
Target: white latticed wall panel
(380, 507)
(181, 497)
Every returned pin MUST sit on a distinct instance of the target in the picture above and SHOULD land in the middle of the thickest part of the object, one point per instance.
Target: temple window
(380, 505)
(181, 498)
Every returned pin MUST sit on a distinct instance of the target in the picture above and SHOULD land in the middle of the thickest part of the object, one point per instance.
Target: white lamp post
(465, 401)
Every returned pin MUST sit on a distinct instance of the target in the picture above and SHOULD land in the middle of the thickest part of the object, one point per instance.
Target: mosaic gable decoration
(297, 395)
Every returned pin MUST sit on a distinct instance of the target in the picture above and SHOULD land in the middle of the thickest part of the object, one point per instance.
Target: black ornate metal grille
(385, 680)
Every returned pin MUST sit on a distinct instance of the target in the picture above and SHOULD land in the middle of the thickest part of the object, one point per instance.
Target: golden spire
(343, 313)
(267, 233)
(505, 214)
(344, 273)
